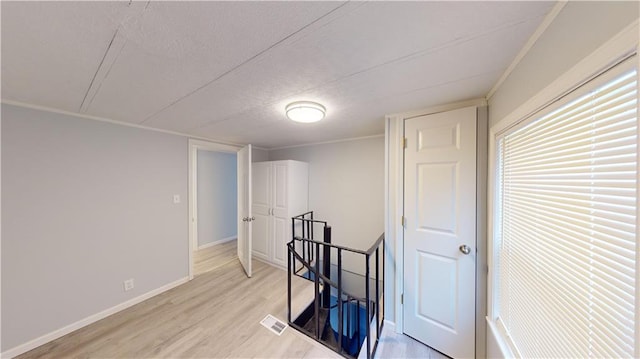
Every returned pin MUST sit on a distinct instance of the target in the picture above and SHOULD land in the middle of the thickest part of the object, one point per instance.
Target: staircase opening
(345, 312)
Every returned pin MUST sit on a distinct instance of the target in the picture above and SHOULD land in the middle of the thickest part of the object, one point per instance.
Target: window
(565, 224)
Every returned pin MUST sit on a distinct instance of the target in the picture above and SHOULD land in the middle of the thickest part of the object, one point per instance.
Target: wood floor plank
(215, 315)
(210, 258)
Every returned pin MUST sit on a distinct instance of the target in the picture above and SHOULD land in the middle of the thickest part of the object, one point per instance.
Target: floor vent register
(274, 324)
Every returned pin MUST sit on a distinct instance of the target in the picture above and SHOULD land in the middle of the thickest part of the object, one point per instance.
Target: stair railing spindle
(377, 299)
(340, 321)
(367, 307)
(317, 295)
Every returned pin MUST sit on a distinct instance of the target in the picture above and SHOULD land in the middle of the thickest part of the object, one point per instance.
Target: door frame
(394, 210)
(194, 146)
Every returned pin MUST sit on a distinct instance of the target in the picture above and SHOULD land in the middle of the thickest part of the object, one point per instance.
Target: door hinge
(402, 298)
(404, 221)
(404, 142)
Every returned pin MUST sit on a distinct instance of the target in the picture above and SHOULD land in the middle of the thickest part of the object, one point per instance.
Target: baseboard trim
(390, 325)
(497, 346)
(265, 261)
(23, 348)
(220, 241)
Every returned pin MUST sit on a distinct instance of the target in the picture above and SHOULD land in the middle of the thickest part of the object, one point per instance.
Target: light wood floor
(392, 345)
(216, 315)
(208, 259)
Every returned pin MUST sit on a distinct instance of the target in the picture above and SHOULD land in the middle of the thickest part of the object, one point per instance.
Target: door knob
(465, 249)
(245, 219)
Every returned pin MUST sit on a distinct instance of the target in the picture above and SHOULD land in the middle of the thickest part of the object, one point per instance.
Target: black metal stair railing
(353, 291)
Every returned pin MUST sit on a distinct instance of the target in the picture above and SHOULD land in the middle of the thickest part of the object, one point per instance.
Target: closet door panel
(281, 224)
(260, 245)
(261, 187)
(281, 188)
(280, 191)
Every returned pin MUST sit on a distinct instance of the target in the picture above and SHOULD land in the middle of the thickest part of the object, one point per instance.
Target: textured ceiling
(226, 70)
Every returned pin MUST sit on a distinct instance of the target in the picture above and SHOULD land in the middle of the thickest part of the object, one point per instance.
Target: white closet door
(281, 220)
(440, 233)
(261, 194)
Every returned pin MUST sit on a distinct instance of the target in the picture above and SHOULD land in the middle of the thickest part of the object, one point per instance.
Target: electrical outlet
(128, 284)
(176, 198)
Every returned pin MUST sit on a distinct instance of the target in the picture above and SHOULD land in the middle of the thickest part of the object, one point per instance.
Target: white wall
(217, 196)
(346, 189)
(85, 205)
(259, 155)
(1, 347)
(578, 30)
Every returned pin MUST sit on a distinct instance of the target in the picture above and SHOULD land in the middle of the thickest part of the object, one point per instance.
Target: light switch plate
(128, 284)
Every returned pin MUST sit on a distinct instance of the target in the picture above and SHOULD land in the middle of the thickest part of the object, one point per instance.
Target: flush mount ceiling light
(305, 111)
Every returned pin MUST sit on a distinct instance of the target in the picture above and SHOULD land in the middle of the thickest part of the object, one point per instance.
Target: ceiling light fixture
(305, 111)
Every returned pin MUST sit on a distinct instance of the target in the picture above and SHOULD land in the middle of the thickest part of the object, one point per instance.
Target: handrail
(322, 276)
(376, 244)
(370, 303)
(309, 267)
(369, 251)
(331, 245)
(301, 218)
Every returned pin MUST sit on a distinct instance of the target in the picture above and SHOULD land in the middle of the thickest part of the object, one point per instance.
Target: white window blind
(566, 225)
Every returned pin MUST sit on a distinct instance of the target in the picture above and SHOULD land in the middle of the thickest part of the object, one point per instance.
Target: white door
(281, 221)
(244, 208)
(440, 231)
(261, 209)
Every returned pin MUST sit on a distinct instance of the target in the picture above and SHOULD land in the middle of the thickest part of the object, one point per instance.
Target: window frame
(620, 48)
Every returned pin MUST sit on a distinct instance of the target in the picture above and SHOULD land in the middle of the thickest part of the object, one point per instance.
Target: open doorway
(217, 210)
(214, 197)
